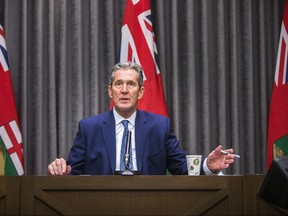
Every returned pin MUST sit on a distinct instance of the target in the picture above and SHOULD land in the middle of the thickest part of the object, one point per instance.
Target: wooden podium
(131, 195)
(9, 195)
(134, 195)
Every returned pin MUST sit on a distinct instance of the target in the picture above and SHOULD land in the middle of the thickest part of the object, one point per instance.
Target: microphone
(127, 152)
(127, 155)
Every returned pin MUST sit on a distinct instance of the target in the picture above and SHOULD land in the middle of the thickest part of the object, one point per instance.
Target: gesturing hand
(217, 161)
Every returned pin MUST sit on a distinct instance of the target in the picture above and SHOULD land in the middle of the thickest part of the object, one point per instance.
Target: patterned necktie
(123, 147)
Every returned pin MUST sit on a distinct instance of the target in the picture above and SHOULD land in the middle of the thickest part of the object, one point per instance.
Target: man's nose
(124, 89)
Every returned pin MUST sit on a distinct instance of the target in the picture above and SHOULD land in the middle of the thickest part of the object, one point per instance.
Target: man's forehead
(125, 74)
(126, 70)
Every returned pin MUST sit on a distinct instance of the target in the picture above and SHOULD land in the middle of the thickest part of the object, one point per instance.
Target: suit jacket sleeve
(76, 158)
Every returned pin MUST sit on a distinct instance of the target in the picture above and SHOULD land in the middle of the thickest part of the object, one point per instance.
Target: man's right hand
(59, 167)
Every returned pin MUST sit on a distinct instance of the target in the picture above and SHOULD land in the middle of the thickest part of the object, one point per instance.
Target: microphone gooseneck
(127, 152)
(127, 155)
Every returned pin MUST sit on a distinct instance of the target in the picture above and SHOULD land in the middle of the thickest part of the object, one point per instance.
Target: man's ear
(141, 92)
(110, 91)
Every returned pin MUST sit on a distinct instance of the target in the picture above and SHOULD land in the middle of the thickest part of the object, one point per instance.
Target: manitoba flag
(278, 119)
(138, 45)
(11, 152)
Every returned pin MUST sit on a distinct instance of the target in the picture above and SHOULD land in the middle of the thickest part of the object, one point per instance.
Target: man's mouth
(124, 99)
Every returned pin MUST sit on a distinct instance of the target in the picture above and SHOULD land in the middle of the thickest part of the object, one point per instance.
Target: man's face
(125, 91)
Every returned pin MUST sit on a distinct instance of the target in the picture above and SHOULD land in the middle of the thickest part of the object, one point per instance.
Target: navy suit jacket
(157, 148)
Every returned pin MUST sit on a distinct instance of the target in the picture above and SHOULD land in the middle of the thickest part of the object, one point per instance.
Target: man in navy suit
(155, 148)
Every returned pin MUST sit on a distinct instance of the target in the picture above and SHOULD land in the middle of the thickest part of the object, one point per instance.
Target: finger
(57, 166)
(61, 165)
(68, 170)
(51, 170)
(229, 150)
(229, 160)
(219, 148)
(56, 169)
(225, 164)
(231, 156)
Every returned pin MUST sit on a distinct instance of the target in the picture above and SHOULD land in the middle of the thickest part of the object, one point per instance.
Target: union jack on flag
(138, 44)
(277, 145)
(281, 77)
(11, 151)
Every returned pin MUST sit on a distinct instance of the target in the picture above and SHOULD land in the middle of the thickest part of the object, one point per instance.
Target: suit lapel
(140, 138)
(108, 128)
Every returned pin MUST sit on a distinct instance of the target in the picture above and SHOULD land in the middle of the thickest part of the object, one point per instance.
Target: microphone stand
(127, 171)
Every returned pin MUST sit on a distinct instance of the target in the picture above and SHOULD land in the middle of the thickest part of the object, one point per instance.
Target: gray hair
(125, 66)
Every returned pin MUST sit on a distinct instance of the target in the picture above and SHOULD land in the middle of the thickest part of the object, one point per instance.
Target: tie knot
(125, 123)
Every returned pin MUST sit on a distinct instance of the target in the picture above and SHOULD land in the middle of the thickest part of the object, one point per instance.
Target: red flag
(138, 45)
(278, 119)
(11, 151)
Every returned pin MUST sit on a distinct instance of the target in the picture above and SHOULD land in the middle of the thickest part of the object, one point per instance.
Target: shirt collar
(119, 118)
